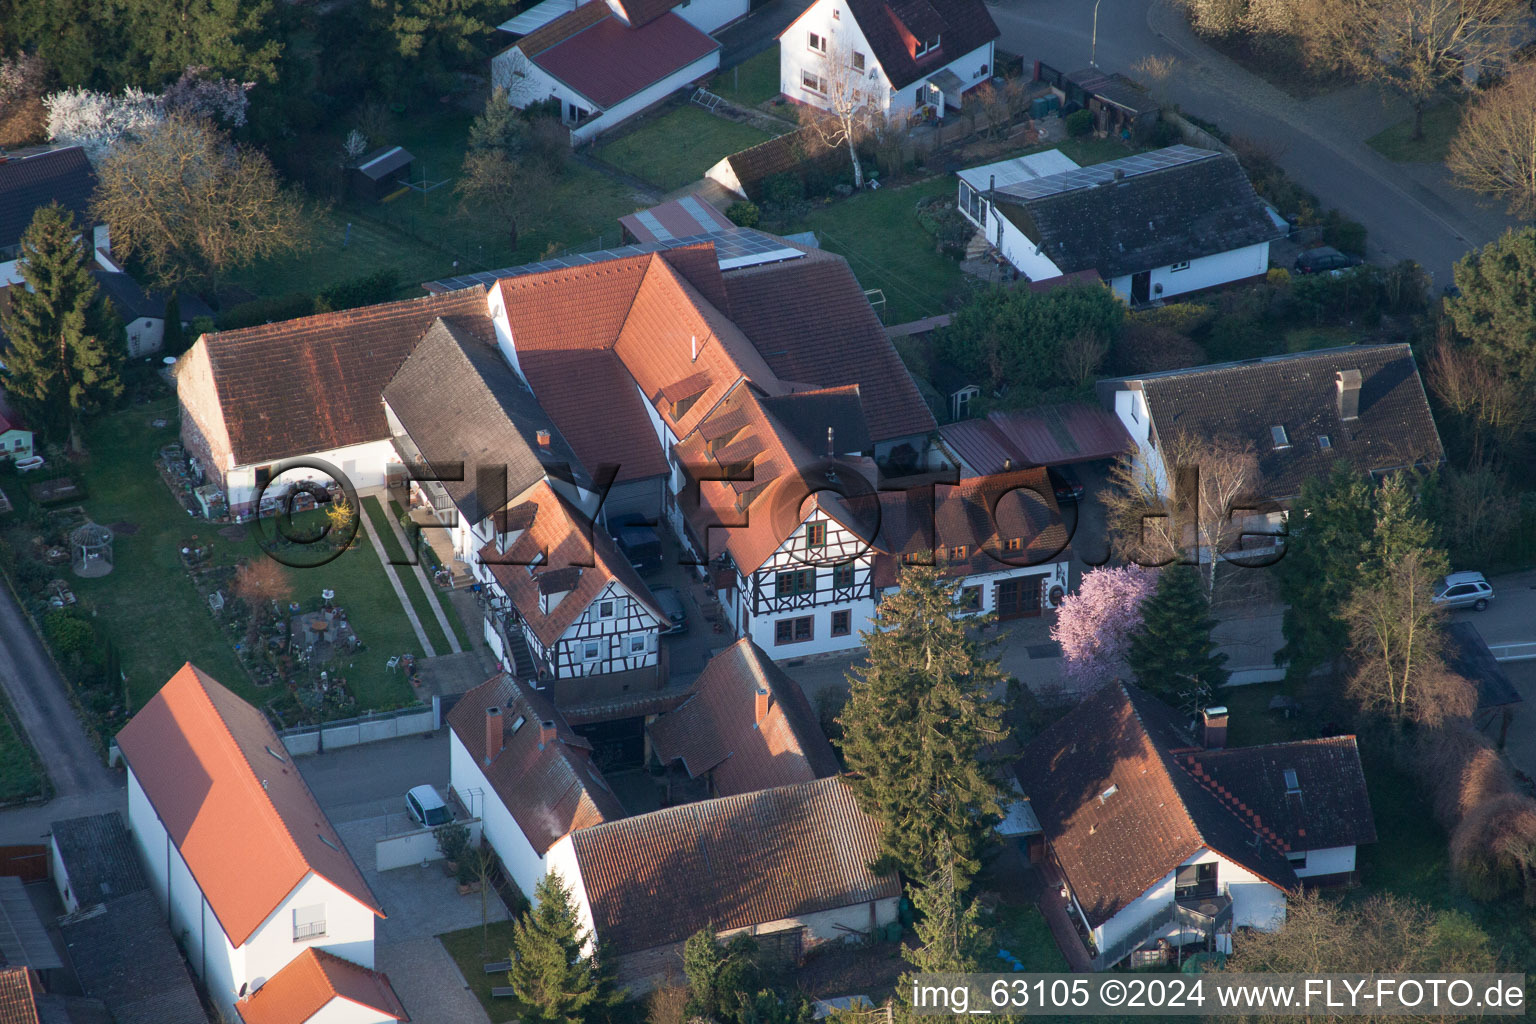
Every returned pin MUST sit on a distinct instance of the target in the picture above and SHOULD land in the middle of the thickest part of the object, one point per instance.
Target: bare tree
(854, 99)
(1199, 513)
(514, 74)
(190, 204)
(1492, 405)
(1415, 46)
(1494, 151)
(507, 187)
(1395, 638)
(1082, 356)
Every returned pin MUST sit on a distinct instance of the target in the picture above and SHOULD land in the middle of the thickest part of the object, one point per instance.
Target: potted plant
(452, 843)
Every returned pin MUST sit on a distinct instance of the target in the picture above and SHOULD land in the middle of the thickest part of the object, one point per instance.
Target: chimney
(494, 733)
(992, 185)
(831, 447)
(546, 734)
(763, 700)
(543, 436)
(1348, 385)
(1214, 721)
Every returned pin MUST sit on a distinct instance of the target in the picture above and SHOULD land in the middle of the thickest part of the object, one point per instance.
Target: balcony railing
(312, 930)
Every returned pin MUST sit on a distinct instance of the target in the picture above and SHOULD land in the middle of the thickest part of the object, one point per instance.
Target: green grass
(153, 614)
(751, 83)
(420, 235)
(420, 602)
(879, 234)
(20, 778)
(1302, 339)
(1440, 124)
(676, 148)
(1022, 931)
(1089, 150)
(465, 948)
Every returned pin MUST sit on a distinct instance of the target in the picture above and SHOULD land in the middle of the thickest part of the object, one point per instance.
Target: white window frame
(606, 609)
(1176, 267)
(309, 922)
(637, 644)
(925, 48)
(817, 43)
(591, 650)
(812, 82)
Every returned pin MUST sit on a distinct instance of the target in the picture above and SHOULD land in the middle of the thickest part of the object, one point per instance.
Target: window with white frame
(605, 609)
(816, 43)
(637, 645)
(1175, 268)
(926, 47)
(591, 650)
(858, 61)
(812, 82)
(308, 922)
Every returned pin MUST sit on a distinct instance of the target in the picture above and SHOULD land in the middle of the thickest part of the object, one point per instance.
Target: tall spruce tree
(1328, 537)
(1172, 653)
(951, 936)
(919, 718)
(552, 976)
(65, 351)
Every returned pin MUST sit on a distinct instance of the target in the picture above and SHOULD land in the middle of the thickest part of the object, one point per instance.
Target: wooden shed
(381, 173)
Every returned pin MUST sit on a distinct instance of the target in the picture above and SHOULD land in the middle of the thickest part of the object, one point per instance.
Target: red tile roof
(810, 319)
(717, 732)
(17, 1002)
(593, 403)
(310, 982)
(233, 802)
(641, 12)
(731, 862)
(894, 27)
(558, 539)
(314, 384)
(1112, 848)
(608, 61)
(981, 514)
(549, 789)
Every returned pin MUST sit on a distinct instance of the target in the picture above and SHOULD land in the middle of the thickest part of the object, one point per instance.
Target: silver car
(1464, 590)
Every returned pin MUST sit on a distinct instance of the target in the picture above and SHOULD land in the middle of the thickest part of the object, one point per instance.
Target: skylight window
(1323, 442)
(1278, 433)
(519, 723)
(327, 842)
(275, 754)
(1292, 784)
(1111, 791)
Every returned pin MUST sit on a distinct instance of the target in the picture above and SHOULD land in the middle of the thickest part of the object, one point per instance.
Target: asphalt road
(1408, 209)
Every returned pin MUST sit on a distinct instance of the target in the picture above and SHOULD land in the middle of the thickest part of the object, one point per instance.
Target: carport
(1052, 435)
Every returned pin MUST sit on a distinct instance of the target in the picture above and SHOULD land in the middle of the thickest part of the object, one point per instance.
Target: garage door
(1018, 598)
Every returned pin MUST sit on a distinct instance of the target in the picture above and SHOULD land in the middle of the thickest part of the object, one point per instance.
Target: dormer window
(1278, 435)
(681, 406)
(926, 47)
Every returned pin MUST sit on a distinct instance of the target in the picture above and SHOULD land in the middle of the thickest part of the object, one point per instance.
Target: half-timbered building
(561, 596)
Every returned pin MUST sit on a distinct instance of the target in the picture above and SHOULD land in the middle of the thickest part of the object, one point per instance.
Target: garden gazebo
(91, 550)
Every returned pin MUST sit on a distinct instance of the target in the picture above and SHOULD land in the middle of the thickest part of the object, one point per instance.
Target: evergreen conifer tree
(1172, 653)
(65, 349)
(950, 934)
(919, 717)
(554, 978)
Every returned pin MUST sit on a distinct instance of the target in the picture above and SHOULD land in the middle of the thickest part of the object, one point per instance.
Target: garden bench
(503, 992)
(499, 967)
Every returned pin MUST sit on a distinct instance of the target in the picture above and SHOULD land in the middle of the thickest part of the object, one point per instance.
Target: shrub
(380, 286)
(452, 840)
(943, 220)
(70, 635)
(1079, 122)
(782, 190)
(1183, 317)
(743, 214)
(261, 311)
(1149, 348)
(1344, 235)
(1277, 277)
(1164, 134)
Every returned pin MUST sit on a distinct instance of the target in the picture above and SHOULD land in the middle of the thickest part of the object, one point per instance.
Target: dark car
(638, 541)
(1065, 482)
(1323, 259)
(671, 602)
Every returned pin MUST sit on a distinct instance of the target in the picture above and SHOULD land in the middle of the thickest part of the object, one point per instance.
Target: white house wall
(561, 860)
(1332, 860)
(1202, 272)
(1255, 902)
(145, 335)
(344, 1011)
(1131, 409)
(796, 55)
(348, 931)
(363, 464)
(1018, 250)
(498, 825)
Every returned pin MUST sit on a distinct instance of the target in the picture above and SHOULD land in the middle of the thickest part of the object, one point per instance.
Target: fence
(416, 846)
(385, 725)
(1513, 652)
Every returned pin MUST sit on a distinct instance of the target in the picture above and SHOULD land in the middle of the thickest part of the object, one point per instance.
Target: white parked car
(1464, 590)
(427, 808)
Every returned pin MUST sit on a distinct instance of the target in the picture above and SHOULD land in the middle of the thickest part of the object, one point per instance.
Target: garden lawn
(420, 601)
(464, 946)
(153, 613)
(19, 775)
(420, 235)
(1440, 124)
(677, 147)
(751, 83)
(879, 234)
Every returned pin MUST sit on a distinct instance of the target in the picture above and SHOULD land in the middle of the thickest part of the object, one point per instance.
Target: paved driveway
(421, 903)
(1408, 209)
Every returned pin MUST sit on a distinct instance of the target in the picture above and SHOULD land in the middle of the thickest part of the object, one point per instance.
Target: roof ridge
(1305, 741)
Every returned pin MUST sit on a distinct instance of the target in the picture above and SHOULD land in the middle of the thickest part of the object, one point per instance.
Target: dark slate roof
(1329, 806)
(1115, 89)
(460, 402)
(123, 954)
(1468, 655)
(98, 856)
(131, 301)
(1242, 401)
(1113, 848)
(960, 25)
(62, 176)
(1145, 220)
(810, 414)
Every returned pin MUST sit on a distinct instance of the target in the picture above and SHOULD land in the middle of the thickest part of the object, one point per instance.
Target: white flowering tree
(98, 121)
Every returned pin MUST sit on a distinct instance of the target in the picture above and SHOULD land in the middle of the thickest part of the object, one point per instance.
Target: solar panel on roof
(1098, 174)
(738, 247)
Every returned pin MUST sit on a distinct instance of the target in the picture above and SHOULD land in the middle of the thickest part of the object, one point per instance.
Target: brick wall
(202, 419)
